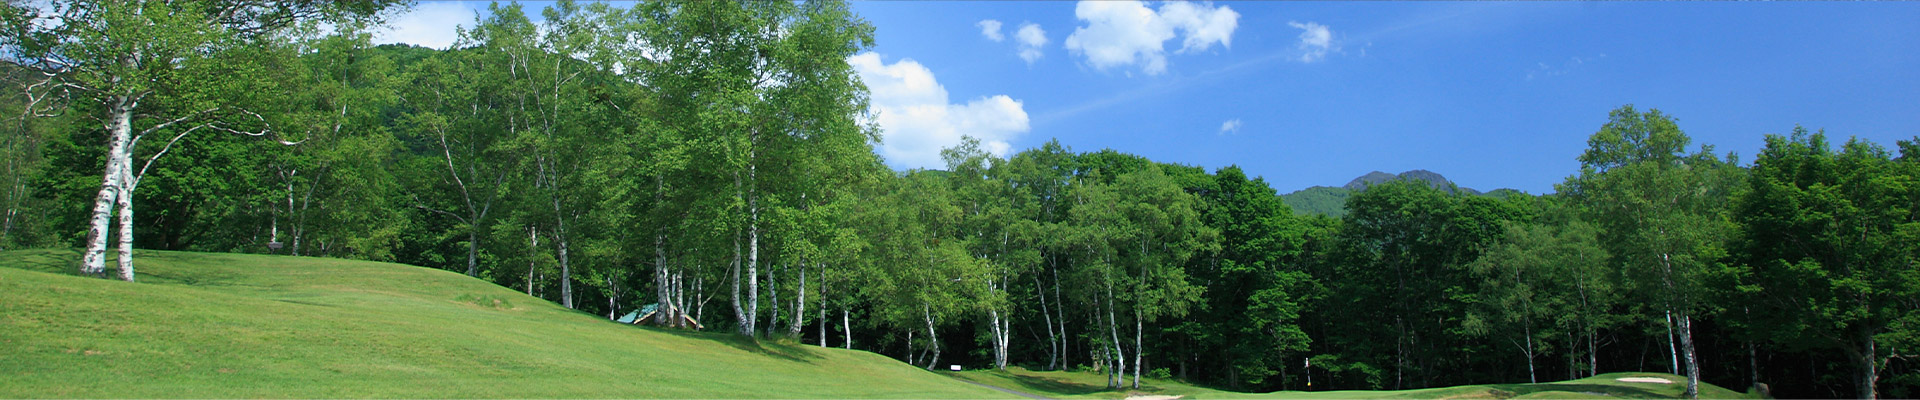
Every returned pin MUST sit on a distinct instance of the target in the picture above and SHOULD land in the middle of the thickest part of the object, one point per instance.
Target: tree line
(682, 155)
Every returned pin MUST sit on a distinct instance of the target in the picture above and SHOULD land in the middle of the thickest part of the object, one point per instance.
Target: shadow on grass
(56, 261)
(1610, 390)
(768, 347)
(1054, 386)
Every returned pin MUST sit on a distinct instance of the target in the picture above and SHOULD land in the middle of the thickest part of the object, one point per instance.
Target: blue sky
(1306, 93)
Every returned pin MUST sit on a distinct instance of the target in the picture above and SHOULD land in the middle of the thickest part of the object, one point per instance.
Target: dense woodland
(716, 159)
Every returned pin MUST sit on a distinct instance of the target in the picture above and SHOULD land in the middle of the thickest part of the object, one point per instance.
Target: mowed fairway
(202, 325)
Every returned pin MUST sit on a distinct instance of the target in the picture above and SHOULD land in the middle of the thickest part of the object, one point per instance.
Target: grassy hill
(1082, 385)
(233, 326)
(205, 325)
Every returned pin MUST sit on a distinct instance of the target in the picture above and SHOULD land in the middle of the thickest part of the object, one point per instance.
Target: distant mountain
(1370, 179)
(1332, 201)
(1323, 200)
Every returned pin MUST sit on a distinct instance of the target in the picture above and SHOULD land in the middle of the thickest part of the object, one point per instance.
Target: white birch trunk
(933, 336)
(120, 127)
(126, 217)
(1673, 353)
(661, 279)
(753, 250)
(552, 175)
(1113, 330)
(1046, 316)
(846, 327)
(993, 327)
(773, 302)
(533, 245)
(1693, 362)
(740, 311)
(799, 304)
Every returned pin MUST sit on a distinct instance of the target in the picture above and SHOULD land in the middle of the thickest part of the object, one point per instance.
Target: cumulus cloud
(1031, 39)
(1315, 40)
(916, 119)
(1230, 127)
(991, 29)
(430, 24)
(1124, 33)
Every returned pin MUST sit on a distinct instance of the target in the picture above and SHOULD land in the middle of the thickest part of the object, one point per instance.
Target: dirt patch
(1645, 380)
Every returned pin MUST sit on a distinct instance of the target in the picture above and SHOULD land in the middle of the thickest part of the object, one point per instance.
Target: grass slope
(231, 326)
(1082, 385)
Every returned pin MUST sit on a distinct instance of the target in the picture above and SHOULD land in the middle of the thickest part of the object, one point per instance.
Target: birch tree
(1662, 214)
(126, 55)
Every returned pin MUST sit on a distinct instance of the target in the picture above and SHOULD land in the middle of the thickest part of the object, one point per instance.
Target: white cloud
(991, 29)
(1230, 127)
(1031, 39)
(1315, 40)
(430, 24)
(916, 120)
(1203, 25)
(1572, 64)
(1123, 33)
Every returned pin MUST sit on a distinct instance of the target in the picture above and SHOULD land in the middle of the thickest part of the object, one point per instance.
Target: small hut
(645, 314)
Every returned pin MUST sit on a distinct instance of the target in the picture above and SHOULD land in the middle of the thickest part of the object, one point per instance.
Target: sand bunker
(1645, 380)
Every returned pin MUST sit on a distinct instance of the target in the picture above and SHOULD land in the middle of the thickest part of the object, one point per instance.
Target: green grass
(1083, 385)
(231, 326)
(202, 325)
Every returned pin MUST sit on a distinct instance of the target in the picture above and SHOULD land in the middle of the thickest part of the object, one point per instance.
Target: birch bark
(119, 126)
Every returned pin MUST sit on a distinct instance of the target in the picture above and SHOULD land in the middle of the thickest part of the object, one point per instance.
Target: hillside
(232, 326)
(1332, 201)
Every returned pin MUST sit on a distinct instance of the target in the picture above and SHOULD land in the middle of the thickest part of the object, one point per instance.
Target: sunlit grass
(232, 326)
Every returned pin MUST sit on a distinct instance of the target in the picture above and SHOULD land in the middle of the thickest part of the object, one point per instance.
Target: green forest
(683, 156)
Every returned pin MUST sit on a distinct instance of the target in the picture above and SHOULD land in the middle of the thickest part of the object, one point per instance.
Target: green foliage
(1829, 249)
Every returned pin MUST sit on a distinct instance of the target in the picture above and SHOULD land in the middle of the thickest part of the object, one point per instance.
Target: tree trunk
(1866, 380)
(822, 319)
(933, 336)
(1113, 331)
(473, 250)
(799, 304)
(1137, 348)
(1593, 355)
(126, 219)
(846, 327)
(679, 300)
(739, 314)
(773, 301)
(1693, 361)
(662, 279)
(753, 243)
(1673, 353)
(1046, 315)
(1528, 330)
(560, 236)
(1061, 312)
(533, 246)
(120, 127)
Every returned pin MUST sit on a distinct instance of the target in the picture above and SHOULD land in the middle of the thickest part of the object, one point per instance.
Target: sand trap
(1645, 380)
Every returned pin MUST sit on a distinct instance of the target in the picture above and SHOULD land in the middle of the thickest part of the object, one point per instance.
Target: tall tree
(1829, 246)
(1662, 214)
(123, 54)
